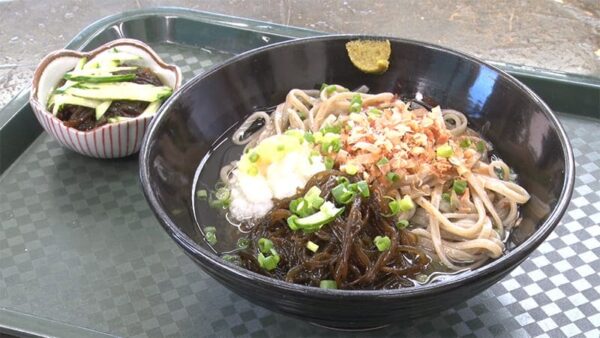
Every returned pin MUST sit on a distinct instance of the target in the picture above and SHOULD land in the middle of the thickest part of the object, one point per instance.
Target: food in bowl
(66, 107)
(348, 190)
(112, 87)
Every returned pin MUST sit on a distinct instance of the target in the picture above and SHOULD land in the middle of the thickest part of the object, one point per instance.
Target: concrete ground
(562, 35)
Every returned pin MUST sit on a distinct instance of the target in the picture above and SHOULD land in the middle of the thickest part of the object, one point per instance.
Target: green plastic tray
(82, 255)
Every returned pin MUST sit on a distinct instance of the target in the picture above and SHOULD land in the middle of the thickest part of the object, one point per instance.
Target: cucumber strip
(81, 63)
(111, 58)
(100, 78)
(67, 84)
(96, 71)
(151, 109)
(62, 99)
(119, 119)
(102, 108)
(120, 91)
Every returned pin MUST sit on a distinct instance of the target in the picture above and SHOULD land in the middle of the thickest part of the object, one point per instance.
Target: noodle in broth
(457, 202)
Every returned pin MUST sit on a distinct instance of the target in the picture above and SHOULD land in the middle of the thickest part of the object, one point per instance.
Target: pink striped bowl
(111, 140)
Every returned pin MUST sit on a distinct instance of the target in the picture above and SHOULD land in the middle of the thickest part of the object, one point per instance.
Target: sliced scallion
(243, 243)
(350, 169)
(265, 245)
(362, 188)
(392, 177)
(328, 163)
(210, 234)
(481, 146)
(459, 186)
(342, 194)
(328, 284)
(394, 206)
(312, 246)
(402, 224)
(382, 243)
(374, 113)
(383, 161)
(406, 204)
(202, 194)
(268, 262)
(444, 151)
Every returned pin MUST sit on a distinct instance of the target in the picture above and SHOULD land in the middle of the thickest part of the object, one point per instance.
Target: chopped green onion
(362, 188)
(356, 104)
(202, 194)
(334, 129)
(350, 169)
(300, 207)
(313, 197)
(210, 234)
(343, 180)
(222, 194)
(243, 243)
(374, 113)
(253, 157)
(394, 206)
(383, 161)
(392, 177)
(330, 89)
(309, 137)
(342, 194)
(233, 259)
(328, 163)
(291, 221)
(444, 151)
(446, 197)
(355, 107)
(270, 262)
(465, 143)
(330, 143)
(406, 204)
(323, 86)
(481, 146)
(265, 245)
(402, 224)
(312, 246)
(382, 243)
(459, 186)
(222, 198)
(328, 284)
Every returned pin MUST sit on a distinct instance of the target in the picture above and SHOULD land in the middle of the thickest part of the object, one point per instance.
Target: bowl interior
(522, 130)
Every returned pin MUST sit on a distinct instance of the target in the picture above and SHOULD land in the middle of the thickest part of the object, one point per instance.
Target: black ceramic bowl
(521, 127)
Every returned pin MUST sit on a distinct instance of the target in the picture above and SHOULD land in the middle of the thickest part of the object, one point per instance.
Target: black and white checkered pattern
(78, 244)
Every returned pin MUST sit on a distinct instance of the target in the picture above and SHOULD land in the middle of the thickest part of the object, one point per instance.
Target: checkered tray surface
(78, 244)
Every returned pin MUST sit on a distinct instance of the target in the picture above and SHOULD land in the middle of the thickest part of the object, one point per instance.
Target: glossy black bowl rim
(497, 266)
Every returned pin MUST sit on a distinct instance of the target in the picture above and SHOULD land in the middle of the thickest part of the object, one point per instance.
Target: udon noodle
(457, 201)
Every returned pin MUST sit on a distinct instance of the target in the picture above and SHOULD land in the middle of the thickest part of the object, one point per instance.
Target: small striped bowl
(112, 140)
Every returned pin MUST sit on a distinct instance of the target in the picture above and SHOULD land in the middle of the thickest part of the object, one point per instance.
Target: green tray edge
(26, 325)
